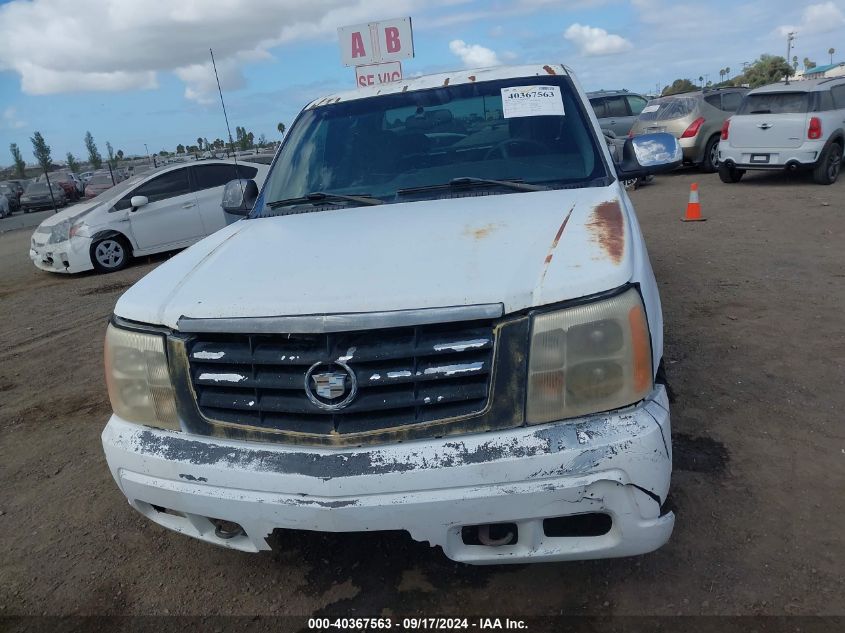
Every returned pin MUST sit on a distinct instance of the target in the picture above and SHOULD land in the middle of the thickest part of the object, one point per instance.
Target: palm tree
(281, 128)
(830, 52)
(727, 72)
(701, 80)
(199, 142)
(721, 74)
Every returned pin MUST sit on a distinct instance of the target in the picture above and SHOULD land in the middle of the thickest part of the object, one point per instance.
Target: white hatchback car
(794, 126)
(161, 210)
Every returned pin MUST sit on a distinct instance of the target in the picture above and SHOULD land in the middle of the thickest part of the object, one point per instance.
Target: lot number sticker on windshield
(531, 101)
(651, 108)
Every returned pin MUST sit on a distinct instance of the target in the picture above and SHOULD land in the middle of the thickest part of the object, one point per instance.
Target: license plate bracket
(759, 158)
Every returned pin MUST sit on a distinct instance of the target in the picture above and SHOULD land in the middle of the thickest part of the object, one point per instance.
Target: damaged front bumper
(69, 256)
(531, 478)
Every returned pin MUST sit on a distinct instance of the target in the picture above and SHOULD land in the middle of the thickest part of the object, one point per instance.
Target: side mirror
(649, 154)
(239, 196)
(137, 201)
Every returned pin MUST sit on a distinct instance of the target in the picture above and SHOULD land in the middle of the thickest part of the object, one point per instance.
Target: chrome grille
(405, 376)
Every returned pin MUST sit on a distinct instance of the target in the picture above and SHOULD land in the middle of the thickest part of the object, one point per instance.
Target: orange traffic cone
(693, 206)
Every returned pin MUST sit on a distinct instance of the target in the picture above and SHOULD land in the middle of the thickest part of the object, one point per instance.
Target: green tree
(678, 86)
(42, 154)
(20, 163)
(768, 69)
(93, 153)
(831, 51)
(180, 149)
(110, 150)
(72, 164)
(199, 142)
(119, 154)
(281, 128)
(262, 140)
(808, 63)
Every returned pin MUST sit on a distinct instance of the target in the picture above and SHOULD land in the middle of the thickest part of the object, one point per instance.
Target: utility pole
(149, 162)
(790, 37)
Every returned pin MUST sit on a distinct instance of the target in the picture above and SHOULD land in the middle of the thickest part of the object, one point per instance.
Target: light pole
(149, 162)
(790, 37)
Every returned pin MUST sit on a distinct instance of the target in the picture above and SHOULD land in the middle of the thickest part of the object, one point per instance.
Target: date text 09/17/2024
(416, 623)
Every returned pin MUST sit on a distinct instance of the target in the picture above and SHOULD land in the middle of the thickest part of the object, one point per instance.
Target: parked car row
(795, 126)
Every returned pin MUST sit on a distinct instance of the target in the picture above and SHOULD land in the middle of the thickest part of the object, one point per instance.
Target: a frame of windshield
(381, 145)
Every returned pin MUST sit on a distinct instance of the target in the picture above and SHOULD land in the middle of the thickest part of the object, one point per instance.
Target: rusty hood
(517, 249)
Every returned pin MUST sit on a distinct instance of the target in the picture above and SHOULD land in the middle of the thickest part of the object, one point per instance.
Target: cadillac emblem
(330, 386)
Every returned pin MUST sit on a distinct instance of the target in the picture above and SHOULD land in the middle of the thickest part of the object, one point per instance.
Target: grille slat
(404, 376)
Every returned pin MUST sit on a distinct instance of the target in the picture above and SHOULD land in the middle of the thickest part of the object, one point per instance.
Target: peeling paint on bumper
(618, 464)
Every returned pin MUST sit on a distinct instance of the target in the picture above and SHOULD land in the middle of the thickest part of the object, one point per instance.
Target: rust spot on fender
(471, 77)
(549, 69)
(608, 229)
(446, 81)
(481, 232)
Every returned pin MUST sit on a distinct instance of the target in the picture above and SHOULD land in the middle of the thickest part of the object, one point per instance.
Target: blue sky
(136, 71)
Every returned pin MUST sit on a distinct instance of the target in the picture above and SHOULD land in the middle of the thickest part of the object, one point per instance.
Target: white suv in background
(791, 126)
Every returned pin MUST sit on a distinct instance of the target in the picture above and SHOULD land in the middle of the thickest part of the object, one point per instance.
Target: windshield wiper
(323, 196)
(465, 181)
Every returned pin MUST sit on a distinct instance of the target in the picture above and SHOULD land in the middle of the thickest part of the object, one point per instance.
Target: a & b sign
(375, 49)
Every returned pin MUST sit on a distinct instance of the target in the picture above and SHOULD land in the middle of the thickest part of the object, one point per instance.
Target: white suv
(792, 126)
(439, 317)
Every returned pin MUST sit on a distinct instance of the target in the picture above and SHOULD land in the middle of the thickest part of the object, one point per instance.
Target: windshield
(775, 103)
(666, 108)
(381, 146)
(40, 187)
(100, 179)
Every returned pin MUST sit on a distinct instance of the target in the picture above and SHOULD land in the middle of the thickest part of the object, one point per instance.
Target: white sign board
(531, 101)
(377, 74)
(376, 42)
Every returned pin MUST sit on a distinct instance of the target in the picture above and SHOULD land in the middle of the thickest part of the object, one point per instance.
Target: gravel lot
(754, 301)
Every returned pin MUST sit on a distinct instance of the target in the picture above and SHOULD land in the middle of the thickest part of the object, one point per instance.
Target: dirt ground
(753, 300)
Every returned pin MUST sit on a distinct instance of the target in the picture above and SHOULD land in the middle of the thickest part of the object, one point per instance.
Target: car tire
(711, 155)
(730, 174)
(110, 254)
(827, 169)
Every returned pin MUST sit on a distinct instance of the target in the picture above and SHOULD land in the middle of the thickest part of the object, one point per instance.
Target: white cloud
(474, 55)
(817, 18)
(592, 40)
(115, 45)
(11, 119)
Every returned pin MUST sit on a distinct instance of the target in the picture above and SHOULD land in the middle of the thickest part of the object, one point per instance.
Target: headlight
(138, 378)
(589, 358)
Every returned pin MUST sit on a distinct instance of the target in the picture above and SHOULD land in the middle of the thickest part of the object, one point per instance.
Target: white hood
(71, 213)
(521, 250)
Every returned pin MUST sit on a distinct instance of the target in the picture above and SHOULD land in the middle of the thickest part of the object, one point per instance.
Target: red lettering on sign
(358, 45)
(391, 36)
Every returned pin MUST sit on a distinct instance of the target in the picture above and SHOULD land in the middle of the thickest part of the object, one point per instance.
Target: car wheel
(827, 169)
(730, 174)
(711, 155)
(109, 254)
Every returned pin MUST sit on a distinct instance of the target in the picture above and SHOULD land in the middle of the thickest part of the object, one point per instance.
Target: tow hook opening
(589, 524)
(490, 534)
(226, 529)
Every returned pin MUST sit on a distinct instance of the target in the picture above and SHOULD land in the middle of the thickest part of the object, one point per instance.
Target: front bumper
(618, 464)
(70, 256)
